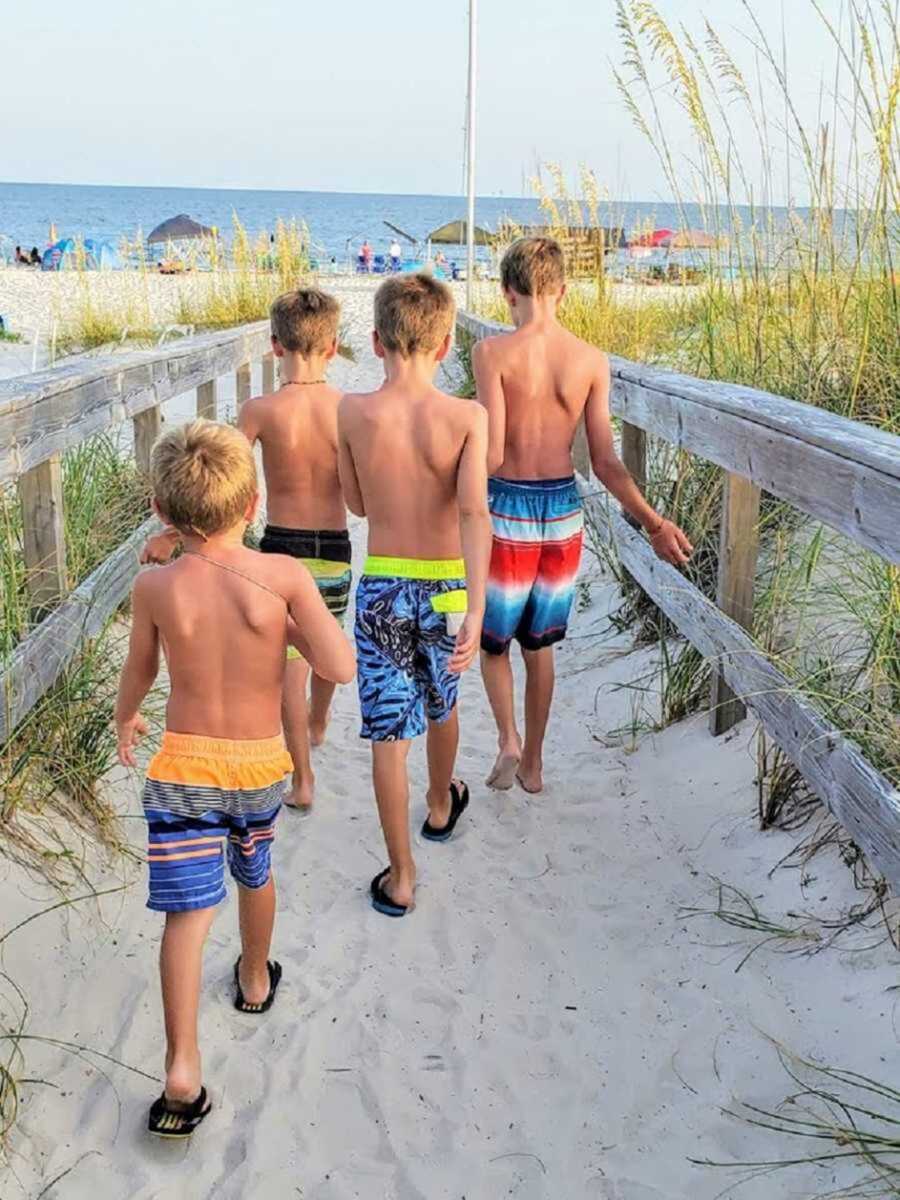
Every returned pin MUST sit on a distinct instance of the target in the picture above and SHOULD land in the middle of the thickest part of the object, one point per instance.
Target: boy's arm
(475, 535)
(313, 630)
(669, 542)
(346, 467)
(489, 386)
(138, 673)
(248, 421)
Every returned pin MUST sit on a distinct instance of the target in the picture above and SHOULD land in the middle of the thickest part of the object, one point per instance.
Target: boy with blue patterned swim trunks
(536, 384)
(413, 462)
(220, 614)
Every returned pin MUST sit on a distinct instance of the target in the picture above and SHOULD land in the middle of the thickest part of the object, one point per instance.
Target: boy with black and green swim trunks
(296, 427)
(413, 462)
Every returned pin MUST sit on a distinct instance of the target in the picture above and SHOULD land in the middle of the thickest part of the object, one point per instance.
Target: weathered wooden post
(147, 428)
(43, 534)
(634, 456)
(268, 372)
(243, 383)
(738, 550)
(207, 407)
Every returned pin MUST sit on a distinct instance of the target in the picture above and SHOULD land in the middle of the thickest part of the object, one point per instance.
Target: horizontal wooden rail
(52, 410)
(861, 798)
(841, 472)
(39, 660)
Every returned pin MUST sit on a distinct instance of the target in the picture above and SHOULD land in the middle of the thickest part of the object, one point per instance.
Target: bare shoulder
(494, 348)
(283, 574)
(465, 413)
(590, 356)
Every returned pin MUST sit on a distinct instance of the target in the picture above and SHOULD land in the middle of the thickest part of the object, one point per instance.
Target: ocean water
(338, 221)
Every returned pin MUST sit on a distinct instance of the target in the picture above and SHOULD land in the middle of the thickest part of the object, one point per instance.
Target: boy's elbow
(494, 462)
(346, 668)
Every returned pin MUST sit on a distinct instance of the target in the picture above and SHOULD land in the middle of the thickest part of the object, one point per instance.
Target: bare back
(297, 430)
(535, 383)
(224, 640)
(404, 453)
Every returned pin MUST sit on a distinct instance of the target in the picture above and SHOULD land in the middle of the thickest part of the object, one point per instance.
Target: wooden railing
(840, 472)
(46, 413)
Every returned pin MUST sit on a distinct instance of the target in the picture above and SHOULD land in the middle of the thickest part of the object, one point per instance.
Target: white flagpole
(470, 157)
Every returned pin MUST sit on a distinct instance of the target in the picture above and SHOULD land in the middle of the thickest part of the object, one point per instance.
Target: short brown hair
(203, 476)
(305, 321)
(533, 266)
(413, 313)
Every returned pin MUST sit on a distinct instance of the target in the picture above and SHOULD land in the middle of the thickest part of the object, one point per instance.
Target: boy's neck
(297, 369)
(535, 310)
(224, 540)
(414, 372)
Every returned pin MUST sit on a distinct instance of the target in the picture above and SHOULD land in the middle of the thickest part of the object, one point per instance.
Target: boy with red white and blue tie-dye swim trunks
(537, 383)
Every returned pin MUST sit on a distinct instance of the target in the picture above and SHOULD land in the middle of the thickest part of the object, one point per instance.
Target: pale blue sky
(346, 95)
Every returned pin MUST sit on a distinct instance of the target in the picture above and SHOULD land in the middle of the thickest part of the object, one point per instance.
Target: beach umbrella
(402, 233)
(656, 238)
(454, 234)
(691, 239)
(178, 229)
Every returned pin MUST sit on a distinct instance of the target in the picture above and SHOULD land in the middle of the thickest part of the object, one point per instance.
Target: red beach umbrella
(657, 238)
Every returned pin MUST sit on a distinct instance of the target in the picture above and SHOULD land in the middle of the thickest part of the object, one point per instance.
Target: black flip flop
(381, 901)
(257, 1009)
(166, 1121)
(459, 802)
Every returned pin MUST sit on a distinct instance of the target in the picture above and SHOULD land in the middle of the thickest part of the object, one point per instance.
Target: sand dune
(546, 1025)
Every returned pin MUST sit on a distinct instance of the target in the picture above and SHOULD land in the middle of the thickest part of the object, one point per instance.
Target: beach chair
(378, 264)
(361, 265)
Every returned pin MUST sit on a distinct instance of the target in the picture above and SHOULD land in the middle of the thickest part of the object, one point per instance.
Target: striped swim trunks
(538, 535)
(204, 793)
(326, 555)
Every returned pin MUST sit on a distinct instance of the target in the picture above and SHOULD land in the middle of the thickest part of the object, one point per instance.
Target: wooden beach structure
(840, 472)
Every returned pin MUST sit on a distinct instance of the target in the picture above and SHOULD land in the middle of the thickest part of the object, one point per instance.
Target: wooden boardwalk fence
(840, 472)
(46, 413)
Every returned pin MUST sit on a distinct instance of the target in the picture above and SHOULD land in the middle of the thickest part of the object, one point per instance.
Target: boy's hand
(129, 733)
(671, 544)
(160, 548)
(468, 643)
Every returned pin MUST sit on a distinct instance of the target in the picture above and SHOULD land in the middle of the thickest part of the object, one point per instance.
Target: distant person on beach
(296, 427)
(222, 615)
(22, 257)
(396, 254)
(365, 253)
(413, 462)
(536, 382)
(35, 256)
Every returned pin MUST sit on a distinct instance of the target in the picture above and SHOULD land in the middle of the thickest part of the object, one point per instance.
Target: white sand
(544, 1026)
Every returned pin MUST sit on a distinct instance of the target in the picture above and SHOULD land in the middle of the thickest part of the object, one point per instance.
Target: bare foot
(503, 772)
(301, 795)
(183, 1079)
(318, 730)
(530, 779)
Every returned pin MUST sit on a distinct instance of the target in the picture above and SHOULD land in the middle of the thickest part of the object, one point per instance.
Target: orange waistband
(198, 745)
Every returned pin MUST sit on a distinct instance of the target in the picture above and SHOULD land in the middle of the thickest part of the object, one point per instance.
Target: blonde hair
(413, 314)
(203, 476)
(305, 321)
(533, 266)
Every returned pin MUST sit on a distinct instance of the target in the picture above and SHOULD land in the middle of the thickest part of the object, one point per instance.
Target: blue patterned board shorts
(404, 641)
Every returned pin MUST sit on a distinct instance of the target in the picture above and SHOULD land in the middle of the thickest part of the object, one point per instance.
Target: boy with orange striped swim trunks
(536, 384)
(223, 616)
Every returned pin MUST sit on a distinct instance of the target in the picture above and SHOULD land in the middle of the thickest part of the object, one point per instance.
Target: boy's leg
(392, 794)
(321, 695)
(180, 967)
(295, 719)
(256, 912)
(496, 671)
(540, 676)
(442, 745)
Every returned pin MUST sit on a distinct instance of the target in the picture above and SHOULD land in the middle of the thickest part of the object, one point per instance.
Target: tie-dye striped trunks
(538, 535)
(326, 555)
(201, 795)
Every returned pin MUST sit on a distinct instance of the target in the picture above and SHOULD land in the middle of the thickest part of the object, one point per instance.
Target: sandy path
(544, 1026)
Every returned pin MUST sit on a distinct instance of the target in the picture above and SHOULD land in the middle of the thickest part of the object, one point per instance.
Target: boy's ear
(332, 350)
(277, 348)
(377, 344)
(561, 296)
(444, 348)
(154, 504)
(510, 296)
(251, 510)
